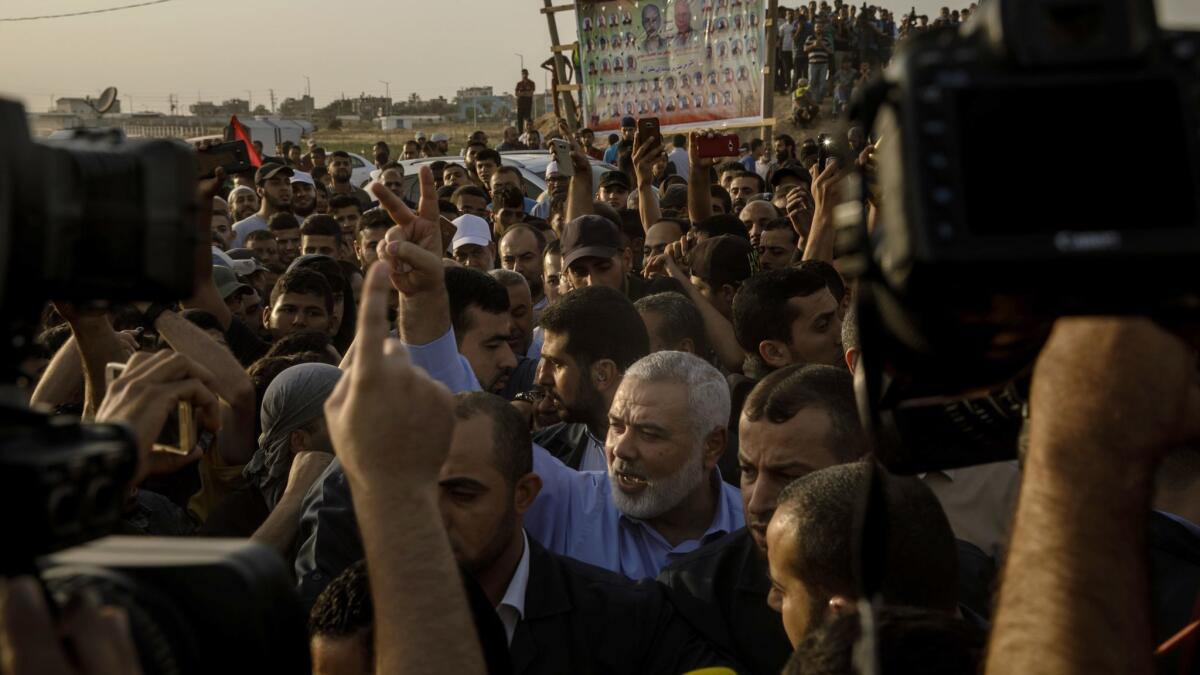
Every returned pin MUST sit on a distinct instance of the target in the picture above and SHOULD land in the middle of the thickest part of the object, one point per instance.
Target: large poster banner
(689, 63)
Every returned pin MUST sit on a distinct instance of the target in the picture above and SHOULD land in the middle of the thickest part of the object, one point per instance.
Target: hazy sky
(218, 49)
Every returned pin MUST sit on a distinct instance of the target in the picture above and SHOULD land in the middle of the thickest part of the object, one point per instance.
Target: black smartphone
(231, 156)
(824, 151)
(648, 128)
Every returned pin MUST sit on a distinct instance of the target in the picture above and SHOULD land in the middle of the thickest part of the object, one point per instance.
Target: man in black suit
(559, 615)
(797, 420)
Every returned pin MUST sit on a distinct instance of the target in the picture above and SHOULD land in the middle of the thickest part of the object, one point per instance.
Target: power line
(84, 13)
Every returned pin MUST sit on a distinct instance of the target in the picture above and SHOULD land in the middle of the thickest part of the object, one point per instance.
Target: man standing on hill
(525, 89)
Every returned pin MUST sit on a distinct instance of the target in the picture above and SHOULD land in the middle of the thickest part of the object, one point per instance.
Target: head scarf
(295, 398)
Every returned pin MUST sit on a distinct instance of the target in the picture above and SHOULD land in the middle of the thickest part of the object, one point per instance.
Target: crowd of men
(625, 412)
(827, 52)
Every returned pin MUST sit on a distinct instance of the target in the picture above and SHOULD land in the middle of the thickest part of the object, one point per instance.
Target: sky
(218, 49)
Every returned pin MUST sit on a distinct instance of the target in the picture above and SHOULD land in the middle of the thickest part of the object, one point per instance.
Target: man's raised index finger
(396, 208)
(372, 320)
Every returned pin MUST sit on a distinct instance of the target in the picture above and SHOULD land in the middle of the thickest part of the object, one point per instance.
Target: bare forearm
(819, 245)
(232, 385)
(1074, 597)
(63, 379)
(98, 345)
(406, 545)
(718, 329)
(579, 197)
(424, 317)
(648, 206)
(279, 529)
(699, 195)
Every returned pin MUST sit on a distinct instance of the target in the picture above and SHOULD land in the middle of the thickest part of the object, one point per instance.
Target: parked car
(531, 163)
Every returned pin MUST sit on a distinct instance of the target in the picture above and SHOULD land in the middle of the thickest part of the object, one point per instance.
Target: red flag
(237, 132)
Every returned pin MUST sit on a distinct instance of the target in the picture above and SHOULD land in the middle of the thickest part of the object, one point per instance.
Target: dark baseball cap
(589, 237)
(723, 260)
(615, 178)
(628, 123)
(227, 282)
(267, 171)
(794, 169)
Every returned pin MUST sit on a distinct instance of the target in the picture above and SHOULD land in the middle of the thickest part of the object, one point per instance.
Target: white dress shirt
(512, 606)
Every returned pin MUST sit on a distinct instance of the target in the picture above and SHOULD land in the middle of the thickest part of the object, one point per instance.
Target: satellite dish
(108, 98)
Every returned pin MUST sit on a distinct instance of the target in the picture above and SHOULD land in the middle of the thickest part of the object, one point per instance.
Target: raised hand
(693, 150)
(389, 421)
(800, 211)
(645, 153)
(579, 159)
(420, 228)
(148, 391)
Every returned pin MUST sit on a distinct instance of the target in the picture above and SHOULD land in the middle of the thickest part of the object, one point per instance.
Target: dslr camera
(98, 218)
(1012, 195)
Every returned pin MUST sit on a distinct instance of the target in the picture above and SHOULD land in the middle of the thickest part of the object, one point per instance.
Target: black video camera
(1011, 196)
(98, 218)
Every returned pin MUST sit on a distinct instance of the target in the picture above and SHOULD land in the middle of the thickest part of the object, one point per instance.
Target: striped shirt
(818, 50)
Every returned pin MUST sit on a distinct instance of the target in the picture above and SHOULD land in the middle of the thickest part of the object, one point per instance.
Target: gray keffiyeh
(295, 398)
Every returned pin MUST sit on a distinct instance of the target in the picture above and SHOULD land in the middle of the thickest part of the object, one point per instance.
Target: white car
(532, 165)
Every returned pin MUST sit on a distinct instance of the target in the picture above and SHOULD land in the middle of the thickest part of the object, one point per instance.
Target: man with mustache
(797, 420)
(590, 337)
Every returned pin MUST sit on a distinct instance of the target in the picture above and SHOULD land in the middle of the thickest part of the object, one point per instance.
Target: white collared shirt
(512, 606)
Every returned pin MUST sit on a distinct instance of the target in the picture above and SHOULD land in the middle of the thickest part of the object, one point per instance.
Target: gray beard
(660, 495)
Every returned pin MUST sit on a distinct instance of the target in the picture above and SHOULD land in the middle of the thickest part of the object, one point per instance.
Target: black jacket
(1174, 584)
(582, 619)
(568, 441)
(721, 589)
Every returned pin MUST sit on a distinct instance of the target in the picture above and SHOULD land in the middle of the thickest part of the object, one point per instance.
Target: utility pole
(308, 94)
(173, 101)
(387, 94)
(522, 57)
(272, 92)
(768, 91)
(249, 102)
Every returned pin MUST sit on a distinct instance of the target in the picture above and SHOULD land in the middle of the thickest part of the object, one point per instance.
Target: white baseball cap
(471, 230)
(241, 267)
(439, 137)
(301, 177)
(551, 169)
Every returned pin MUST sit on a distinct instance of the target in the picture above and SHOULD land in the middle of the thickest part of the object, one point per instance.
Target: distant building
(363, 108)
(233, 106)
(297, 107)
(80, 106)
(476, 103)
(390, 122)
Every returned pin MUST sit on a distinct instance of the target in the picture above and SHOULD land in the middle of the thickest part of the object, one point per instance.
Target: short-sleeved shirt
(243, 228)
(786, 31)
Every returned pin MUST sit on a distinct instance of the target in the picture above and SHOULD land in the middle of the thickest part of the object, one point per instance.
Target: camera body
(94, 216)
(97, 218)
(195, 605)
(1003, 208)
